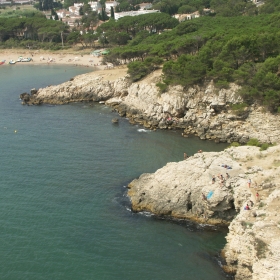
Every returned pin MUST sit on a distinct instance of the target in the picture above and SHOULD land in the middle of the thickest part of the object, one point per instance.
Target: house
(74, 10)
(21, 2)
(184, 17)
(78, 5)
(63, 13)
(95, 6)
(145, 6)
(134, 13)
(4, 2)
(109, 4)
(72, 21)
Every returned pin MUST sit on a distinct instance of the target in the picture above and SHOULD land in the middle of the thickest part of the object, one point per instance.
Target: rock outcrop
(202, 111)
(186, 190)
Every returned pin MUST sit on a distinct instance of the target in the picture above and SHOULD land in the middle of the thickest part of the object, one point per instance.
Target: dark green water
(64, 211)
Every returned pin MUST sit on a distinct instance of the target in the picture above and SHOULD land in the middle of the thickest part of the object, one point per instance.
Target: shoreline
(51, 57)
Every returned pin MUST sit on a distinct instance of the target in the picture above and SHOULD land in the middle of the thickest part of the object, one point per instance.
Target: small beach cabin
(96, 53)
(105, 52)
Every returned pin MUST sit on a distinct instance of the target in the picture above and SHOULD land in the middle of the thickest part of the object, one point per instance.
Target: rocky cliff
(202, 111)
(187, 190)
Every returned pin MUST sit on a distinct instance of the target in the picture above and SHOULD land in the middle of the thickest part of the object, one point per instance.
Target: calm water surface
(64, 211)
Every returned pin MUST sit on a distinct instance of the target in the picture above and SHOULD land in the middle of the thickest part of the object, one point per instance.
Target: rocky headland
(187, 190)
(204, 111)
(194, 188)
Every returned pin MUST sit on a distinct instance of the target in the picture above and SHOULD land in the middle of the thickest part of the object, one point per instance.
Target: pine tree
(112, 13)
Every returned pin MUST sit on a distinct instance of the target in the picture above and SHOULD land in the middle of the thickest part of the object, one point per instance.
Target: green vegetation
(239, 108)
(162, 87)
(255, 142)
(261, 248)
(261, 205)
(233, 42)
(276, 162)
(139, 69)
(234, 144)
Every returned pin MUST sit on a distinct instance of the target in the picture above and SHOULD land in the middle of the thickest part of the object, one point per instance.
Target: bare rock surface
(202, 111)
(185, 190)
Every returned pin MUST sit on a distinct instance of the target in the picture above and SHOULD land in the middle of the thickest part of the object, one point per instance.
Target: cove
(65, 214)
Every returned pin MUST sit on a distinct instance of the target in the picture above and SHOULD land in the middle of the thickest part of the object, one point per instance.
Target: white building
(4, 2)
(78, 5)
(145, 6)
(113, 4)
(63, 13)
(134, 13)
(74, 10)
(184, 17)
(95, 6)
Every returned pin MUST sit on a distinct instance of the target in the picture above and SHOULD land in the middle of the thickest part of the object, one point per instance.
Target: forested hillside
(237, 41)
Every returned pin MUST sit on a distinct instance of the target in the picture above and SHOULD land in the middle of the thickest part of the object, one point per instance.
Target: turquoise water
(64, 211)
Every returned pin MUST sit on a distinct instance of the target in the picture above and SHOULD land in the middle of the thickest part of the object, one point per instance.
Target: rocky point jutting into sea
(187, 190)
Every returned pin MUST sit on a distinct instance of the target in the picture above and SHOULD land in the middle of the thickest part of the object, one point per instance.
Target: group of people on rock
(221, 178)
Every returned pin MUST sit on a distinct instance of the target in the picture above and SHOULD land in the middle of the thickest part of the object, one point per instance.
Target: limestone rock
(199, 110)
(182, 190)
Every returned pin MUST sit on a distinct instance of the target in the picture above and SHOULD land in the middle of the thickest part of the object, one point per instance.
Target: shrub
(239, 108)
(137, 70)
(261, 248)
(234, 144)
(162, 87)
(264, 146)
(253, 142)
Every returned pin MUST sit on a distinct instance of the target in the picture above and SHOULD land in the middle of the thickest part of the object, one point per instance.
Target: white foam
(143, 130)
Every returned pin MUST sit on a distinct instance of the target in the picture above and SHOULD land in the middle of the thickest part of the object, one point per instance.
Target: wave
(143, 130)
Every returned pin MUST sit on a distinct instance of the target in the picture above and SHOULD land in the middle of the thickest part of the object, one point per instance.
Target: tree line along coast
(235, 47)
(241, 46)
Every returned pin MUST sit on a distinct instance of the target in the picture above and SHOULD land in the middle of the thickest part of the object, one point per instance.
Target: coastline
(51, 57)
(205, 113)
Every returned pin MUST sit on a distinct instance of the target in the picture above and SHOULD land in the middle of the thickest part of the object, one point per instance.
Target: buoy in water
(15, 131)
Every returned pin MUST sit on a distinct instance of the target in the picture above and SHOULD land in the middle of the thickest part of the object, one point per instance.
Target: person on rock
(247, 207)
(249, 183)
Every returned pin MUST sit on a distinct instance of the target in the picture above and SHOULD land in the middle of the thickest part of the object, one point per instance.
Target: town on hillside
(72, 16)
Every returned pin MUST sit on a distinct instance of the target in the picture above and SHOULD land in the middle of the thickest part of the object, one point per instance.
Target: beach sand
(63, 58)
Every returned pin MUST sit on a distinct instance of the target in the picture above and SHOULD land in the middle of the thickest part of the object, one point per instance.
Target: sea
(65, 213)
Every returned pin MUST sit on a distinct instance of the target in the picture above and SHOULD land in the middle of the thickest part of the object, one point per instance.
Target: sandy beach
(62, 58)
(46, 57)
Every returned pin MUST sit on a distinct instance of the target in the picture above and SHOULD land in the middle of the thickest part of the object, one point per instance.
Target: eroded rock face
(202, 111)
(182, 190)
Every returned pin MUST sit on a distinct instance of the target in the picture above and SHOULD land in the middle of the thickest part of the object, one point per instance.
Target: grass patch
(262, 215)
(276, 162)
(239, 109)
(261, 205)
(162, 87)
(234, 144)
(255, 142)
(247, 224)
(261, 248)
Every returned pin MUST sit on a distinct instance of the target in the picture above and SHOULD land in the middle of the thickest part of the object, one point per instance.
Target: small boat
(2, 62)
(19, 59)
(12, 62)
(27, 59)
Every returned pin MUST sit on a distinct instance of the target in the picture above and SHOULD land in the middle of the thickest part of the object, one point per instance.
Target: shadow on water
(123, 201)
